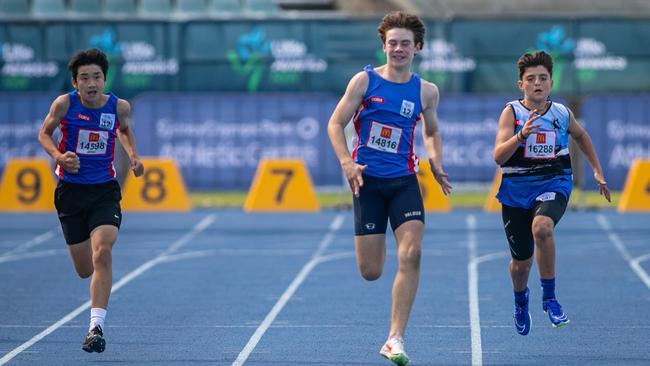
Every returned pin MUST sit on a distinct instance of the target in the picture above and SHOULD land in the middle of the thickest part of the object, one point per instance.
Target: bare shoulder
(359, 82)
(429, 92)
(60, 106)
(123, 107)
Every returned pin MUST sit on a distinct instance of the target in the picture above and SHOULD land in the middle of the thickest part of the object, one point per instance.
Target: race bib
(407, 108)
(540, 145)
(107, 121)
(92, 142)
(384, 138)
(548, 196)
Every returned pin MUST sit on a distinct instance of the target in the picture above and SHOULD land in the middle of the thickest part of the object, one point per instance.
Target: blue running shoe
(522, 317)
(555, 313)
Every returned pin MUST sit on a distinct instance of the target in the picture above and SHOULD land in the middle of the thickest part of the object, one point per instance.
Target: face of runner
(90, 83)
(536, 84)
(400, 47)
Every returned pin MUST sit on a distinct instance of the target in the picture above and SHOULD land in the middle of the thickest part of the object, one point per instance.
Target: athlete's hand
(69, 161)
(352, 173)
(441, 178)
(529, 127)
(602, 186)
(137, 167)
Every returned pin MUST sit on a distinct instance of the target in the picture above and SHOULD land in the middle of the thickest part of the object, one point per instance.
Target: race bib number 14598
(92, 142)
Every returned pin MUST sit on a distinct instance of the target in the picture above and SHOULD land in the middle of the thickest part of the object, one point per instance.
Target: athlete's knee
(543, 230)
(370, 273)
(85, 272)
(409, 256)
(102, 256)
(521, 266)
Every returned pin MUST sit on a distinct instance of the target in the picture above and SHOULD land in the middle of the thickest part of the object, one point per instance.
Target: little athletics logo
(289, 59)
(141, 60)
(20, 66)
(590, 55)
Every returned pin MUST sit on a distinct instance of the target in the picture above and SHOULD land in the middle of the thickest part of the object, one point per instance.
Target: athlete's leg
(547, 214)
(409, 251)
(545, 245)
(517, 224)
(519, 272)
(102, 239)
(371, 255)
(81, 254)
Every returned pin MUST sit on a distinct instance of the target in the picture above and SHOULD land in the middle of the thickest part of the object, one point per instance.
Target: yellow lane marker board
(160, 188)
(281, 185)
(432, 196)
(636, 192)
(492, 204)
(27, 185)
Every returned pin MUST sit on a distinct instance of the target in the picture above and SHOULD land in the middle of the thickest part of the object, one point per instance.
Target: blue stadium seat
(14, 7)
(120, 7)
(48, 7)
(191, 6)
(155, 7)
(86, 6)
(262, 6)
(226, 6)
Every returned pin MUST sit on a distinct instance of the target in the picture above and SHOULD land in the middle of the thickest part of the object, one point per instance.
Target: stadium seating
(155, 7)
(226, 6)
(48, 7)
(14, 7)
(86, 6)
(194, 7)
(120, 7)
(262, 6)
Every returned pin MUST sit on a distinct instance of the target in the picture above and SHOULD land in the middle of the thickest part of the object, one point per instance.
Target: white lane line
(472, 286)
(634, 263)
(198, 228)
(39, 239)
(288, 293)
(41, 253)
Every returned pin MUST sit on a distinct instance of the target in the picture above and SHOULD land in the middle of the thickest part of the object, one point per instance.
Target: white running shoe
(393, 350)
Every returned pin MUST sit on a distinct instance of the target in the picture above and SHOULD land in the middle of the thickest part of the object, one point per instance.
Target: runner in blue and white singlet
(532, 148)
(385, 125)
(90, 133)
(541, 163)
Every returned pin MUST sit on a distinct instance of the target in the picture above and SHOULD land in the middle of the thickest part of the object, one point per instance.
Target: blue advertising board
(620, 130)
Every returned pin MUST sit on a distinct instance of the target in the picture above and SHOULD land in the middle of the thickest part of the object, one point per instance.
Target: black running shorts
(518, 222)
(381, 198)
(83, 207)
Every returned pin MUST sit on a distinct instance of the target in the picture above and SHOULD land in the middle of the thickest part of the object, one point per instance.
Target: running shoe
(522, 317)
(94, 341)
(553, 309)
(393, 350)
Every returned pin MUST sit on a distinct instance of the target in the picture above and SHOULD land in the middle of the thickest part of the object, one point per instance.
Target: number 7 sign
(281, 185)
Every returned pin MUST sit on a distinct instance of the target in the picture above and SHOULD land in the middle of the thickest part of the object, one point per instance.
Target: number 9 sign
(27, 185)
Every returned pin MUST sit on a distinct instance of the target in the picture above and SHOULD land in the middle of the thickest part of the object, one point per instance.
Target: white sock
(97, 316)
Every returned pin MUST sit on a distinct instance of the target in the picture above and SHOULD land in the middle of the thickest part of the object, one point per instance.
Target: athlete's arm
(126, 137)
(342, 115)
(583, 141)
(506, 142)
(69, 160)
(431, 135)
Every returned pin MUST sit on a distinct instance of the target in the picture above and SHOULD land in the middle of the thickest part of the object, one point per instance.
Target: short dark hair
(91, 56)
(400, 19)
(539, 58)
